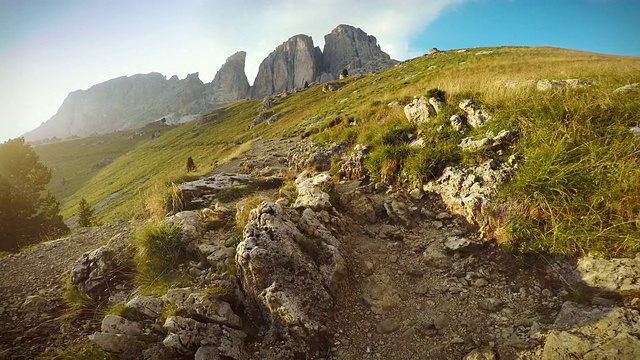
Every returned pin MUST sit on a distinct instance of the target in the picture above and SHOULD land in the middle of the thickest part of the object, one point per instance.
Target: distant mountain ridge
(132, 101)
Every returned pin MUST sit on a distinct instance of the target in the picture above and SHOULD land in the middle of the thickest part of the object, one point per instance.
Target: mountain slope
(358, 113)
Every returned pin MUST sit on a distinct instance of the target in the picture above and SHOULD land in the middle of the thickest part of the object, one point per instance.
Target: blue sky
(51, 48)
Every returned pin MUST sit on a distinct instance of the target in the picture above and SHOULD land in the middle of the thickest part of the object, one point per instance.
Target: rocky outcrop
(97, 273)
(230, 83)
(347, 47)
(289, 66)
(593, 333)
(292, 276)
(467, 191)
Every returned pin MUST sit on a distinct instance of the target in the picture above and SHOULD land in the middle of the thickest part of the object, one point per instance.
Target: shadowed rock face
(347, 47)
(287, 67)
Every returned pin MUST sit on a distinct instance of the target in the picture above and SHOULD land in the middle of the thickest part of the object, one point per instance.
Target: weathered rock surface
(98, 272)
(288, 67)
(503, 139)
(204, 307)
(419, 110)
(187, 336)
(620, 275)
(201, 193)
(307, 155)
(272, 259)
(592, 333)
(230, 82)
(347, 47)
(352, 166)
(467, 191)
(310, 193)
(476, 116)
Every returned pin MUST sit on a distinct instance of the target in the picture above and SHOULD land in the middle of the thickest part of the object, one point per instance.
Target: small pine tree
(344, 73)
(86, 214)
(306, 84)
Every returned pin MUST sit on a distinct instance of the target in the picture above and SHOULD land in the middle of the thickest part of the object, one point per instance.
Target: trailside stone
(93, 273)
(419, 110)
(204, 307)
(186, 336)
(481, 354)
(593, 333)
(476, 116)
(310, 195)
(148, 306)
(115, 324)
(126, 347)
(271, 258)
(620, 275)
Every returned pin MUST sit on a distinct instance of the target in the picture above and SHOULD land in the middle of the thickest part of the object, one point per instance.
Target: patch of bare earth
(34, 313)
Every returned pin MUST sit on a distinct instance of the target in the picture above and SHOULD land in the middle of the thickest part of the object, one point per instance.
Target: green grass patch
(159, 251)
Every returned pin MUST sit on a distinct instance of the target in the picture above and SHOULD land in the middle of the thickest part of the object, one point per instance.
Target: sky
(49, 48)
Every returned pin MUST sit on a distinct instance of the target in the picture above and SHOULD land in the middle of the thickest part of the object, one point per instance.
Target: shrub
(436, 93)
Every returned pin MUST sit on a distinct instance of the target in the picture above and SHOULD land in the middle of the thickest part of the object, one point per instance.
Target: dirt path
(40, 272)
(407, 299)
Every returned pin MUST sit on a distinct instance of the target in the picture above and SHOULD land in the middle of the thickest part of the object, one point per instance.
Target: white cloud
(85, 43)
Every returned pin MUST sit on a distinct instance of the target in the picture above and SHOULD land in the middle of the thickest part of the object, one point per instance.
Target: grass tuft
(159, 251)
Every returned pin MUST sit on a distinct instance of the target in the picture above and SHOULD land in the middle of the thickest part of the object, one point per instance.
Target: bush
(436, 93)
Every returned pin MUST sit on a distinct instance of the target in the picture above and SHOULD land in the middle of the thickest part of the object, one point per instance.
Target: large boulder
(420, 110)
(292, 277)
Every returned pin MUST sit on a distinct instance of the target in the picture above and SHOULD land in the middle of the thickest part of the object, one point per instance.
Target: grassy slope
(566, 134)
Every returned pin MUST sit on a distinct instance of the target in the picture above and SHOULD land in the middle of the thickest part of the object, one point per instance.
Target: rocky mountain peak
(230, 82)
(348, 47)
(288, 66)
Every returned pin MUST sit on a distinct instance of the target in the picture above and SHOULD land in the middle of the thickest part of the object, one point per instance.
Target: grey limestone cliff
(347, 47)
(230, 83)
(287, 67)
